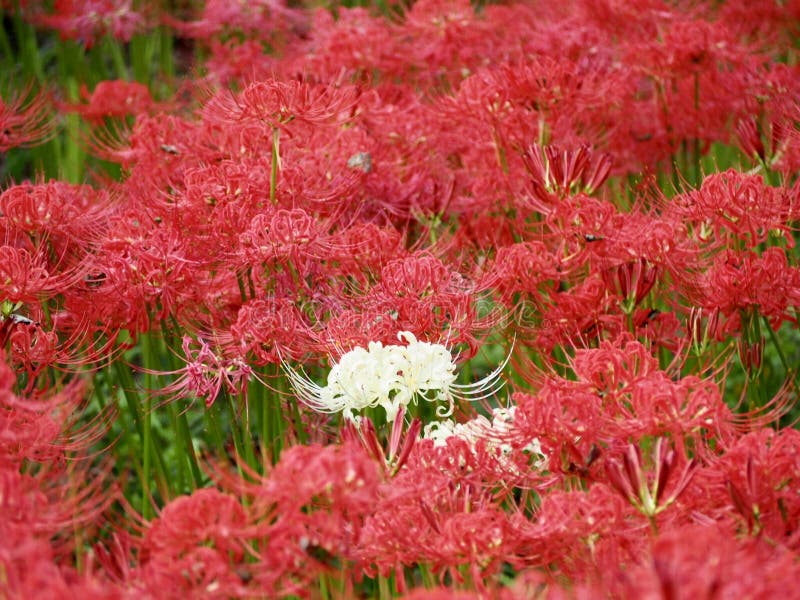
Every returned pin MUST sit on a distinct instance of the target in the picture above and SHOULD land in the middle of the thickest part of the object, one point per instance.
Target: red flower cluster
(523, 178)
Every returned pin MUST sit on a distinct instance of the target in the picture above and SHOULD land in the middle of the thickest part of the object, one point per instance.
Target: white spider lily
(496, 433)
(391, 376)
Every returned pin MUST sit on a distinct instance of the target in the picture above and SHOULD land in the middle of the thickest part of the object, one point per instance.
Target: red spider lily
(362, 249)
(749, 139)
(703, 560)
(50, 505)
(424, 517)
(283, 237)
(337, 45)
(86, 22)
(660, 329)
(742, 281)
(65, 342)
(269, 331)
(619, 394)
(631, 250)
(206, 374)
(113, 98)
(273, 104)
(561, 173)
(265, 535)
(425, 297)
(25, 278)
(63, 216)
(704, 328)
(614, 365)
(42, 427)
(335, 478)
(233, 60)
(678, 63)
(25, 120)
(751, 342)
(155, 148)
(263, 109)
(634, 250)
(774, 146)
(348, 329)
(363, 432)
(733, 206)
(760, 471)
(530, 99)
(656, 328)
(567, 527)
(138, 274)
(631, 282)
(37, 542)
(322, 511)
(32, 349)
(252, 19)
(448, 36)
(196, 544)
(438, 509)
(572, 318)
(416, 276)
(527, 267)
(483, 229)
(30, 569)
(410, 297)
(488, 455)
(322, 177)
(404, 203)
(648, 493)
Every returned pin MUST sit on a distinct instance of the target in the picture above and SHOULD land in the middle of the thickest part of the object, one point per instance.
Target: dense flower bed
(426, 299)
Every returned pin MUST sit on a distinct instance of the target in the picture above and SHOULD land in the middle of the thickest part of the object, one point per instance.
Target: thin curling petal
(307, 391)
(483, 388)
(392, 377)
(25, 119)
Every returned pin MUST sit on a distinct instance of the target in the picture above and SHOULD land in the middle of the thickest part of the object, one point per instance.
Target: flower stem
(275, 165)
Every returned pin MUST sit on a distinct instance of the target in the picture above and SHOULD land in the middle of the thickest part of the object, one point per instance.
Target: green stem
(5, 45)
(273, 415)
(186, 437)
(324, 593)
(696, 145)
(246, 433)
(215, 430)
(428, 580)
(237, 429)
(141, 51)
(242, 291)
(167, 57)
(147, 441)
(263, 409)
(133, 400)
(147, 431)
(777, 345)
(184, 447)
(28, 48)
(74, 156)
(275, 165)
(299, 430)
(115, 50)
(384, 589)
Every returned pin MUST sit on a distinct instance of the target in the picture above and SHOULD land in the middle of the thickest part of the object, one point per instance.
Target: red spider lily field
(396, 299)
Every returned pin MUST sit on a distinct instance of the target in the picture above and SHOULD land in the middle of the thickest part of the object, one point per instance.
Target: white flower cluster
(390, 377)
(496, 433)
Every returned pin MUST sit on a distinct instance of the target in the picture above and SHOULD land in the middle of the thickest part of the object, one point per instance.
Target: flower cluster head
(497, 434)
(392, 376)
